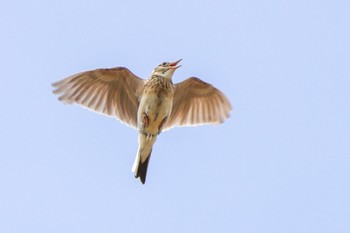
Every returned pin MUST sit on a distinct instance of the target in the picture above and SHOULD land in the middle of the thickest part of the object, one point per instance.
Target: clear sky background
(281, 163)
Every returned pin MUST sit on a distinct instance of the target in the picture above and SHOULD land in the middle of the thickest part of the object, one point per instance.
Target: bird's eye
(164, 63)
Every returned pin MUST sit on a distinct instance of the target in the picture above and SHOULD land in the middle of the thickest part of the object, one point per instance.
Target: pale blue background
(281, 163)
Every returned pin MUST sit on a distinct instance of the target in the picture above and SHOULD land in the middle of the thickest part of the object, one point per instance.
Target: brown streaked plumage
(114, 92)
(150, 105)
(197, 102)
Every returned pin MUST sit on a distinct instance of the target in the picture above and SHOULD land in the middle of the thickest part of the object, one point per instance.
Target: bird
(150, 105)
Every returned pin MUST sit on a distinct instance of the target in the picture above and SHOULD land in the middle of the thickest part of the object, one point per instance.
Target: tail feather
(143, 155)
(142, 169)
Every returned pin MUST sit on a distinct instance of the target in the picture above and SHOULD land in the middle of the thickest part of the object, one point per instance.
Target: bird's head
(166, 69)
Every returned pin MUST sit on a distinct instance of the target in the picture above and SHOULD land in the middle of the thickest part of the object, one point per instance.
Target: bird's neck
(159, 82)
(161, 77)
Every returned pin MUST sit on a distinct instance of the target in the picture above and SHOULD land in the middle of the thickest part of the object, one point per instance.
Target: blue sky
(279, 164)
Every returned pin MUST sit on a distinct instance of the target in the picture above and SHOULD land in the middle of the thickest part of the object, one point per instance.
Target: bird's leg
(161, 124)
(145, 120)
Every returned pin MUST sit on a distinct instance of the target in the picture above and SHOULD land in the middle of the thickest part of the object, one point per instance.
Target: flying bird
(150, 105)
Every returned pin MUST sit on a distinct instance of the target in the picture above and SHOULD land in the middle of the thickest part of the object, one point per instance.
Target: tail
(143, 156)
(140, 168)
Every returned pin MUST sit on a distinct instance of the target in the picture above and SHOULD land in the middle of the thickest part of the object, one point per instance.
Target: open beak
(173, 65)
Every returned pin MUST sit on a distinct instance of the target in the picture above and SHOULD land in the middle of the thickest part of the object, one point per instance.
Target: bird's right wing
(114, 92)
(197, 102)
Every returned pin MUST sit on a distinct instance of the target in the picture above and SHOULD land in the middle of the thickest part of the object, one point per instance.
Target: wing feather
(197, 102)
(114, 92)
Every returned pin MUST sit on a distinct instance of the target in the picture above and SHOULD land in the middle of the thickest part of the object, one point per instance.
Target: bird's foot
(160, 127)
(145, 120)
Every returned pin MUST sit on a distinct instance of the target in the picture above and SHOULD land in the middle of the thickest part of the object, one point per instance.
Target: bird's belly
(156, 109)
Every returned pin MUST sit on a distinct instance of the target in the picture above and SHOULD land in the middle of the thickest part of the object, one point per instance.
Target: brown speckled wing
(197, 102)
(114, 92)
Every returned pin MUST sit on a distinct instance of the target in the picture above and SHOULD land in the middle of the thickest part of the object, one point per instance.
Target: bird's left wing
(114, 92)
(197, 102)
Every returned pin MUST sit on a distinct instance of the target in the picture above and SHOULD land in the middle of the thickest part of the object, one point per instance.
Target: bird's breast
(156, 102)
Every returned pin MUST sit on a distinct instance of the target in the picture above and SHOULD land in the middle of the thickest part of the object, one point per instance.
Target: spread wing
(114, 92)
(197, 102)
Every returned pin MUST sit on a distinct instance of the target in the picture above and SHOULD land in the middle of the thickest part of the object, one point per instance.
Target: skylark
(150, 105)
